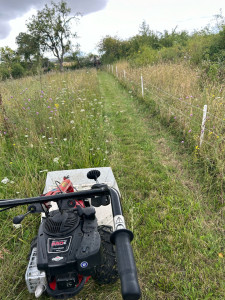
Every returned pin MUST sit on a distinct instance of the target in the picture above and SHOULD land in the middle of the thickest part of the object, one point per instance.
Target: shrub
(145, 56)
(4, 72)
(17, 70)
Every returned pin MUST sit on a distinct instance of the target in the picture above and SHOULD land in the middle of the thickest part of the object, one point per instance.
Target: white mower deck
(81, 182)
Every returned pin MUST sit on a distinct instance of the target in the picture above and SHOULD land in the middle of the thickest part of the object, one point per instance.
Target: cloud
(12, 9)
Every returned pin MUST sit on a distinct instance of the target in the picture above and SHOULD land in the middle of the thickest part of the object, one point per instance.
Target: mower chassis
(81, 182)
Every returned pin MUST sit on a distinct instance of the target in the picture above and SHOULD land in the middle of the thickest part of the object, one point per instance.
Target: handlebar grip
(126, 266)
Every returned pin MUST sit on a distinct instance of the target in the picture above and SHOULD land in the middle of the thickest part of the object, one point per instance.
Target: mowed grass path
(179, 235)
(179, 232)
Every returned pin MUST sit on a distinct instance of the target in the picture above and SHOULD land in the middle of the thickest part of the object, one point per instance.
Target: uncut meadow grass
(178, 93)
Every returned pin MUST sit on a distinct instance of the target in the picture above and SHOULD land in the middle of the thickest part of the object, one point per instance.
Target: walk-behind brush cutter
(82, 234)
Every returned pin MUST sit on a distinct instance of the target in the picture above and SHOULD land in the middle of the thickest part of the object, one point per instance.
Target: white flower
(43, 171)
(50, 119)
(12, 181)
(5, 180)
(17, 226)
(43, 136)
(56, 160)
(31, 145)
(82, 110)
(65, 139)
(72, 122)
(26, 135)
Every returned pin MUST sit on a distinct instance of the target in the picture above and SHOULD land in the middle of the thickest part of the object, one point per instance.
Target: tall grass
(55, 123)
(178, 93)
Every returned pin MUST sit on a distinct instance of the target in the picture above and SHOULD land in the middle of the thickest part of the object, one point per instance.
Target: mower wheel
(106, 272)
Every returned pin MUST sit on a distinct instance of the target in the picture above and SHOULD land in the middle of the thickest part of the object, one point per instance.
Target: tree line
(48, 31)
(51, 31)
(205, 48)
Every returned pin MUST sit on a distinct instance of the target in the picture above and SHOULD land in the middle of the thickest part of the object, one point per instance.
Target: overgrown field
(179, 92)
(87, 119)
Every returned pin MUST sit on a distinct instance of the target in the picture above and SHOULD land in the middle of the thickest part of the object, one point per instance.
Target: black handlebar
(126, 266)
(76, 195)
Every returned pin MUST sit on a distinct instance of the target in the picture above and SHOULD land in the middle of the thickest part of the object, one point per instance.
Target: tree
(51, 27)
(28, 46)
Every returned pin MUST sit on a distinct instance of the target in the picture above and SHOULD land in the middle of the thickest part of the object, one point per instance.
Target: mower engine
(67, 248)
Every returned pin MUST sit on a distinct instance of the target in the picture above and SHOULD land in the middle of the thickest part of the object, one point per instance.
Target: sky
(121, 18)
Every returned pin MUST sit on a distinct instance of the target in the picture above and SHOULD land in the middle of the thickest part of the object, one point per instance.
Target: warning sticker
(119, 222)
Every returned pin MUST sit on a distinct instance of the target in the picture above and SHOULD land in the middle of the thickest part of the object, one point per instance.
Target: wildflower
(56, 105)
(189, 130)
(182, 142)
(56, 160)
(31, 145)
(43, 171)
(220, 255)
(37, 113)
(14, 144)
(191, 115)
(175, 118)
(5, 180)
(82, 110)
(26, 135)
(50, 119)
(43, 136)
(65, 139)
(72, 122)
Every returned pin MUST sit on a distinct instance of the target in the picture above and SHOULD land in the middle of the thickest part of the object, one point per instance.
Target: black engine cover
(68, 242)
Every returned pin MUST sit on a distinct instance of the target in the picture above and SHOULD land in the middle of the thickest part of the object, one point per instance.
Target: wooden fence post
(142, 86)
(203, 125)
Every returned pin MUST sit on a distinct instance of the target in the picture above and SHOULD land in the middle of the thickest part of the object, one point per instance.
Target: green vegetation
(87, 119)
(204, 48)
(176, 94)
